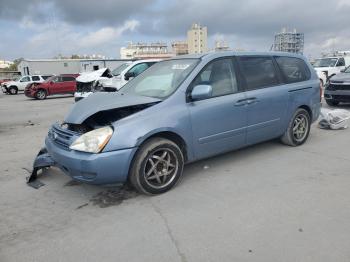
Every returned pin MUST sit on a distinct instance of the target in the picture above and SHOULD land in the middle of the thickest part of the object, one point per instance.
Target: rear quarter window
(293, 69)
(258, 71)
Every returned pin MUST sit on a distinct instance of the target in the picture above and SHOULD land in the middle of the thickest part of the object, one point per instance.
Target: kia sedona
(182, 110)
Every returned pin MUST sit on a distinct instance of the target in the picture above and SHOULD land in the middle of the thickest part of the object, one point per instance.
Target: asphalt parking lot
(268, 202)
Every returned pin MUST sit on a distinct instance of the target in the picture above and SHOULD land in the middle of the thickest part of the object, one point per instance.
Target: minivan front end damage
(94, 166)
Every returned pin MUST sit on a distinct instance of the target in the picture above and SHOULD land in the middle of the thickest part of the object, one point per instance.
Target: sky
(44, 29)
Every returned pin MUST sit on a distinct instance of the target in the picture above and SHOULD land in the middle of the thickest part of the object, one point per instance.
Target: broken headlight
(93, 141)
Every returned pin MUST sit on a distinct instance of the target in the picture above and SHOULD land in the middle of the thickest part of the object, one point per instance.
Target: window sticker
(180, 66)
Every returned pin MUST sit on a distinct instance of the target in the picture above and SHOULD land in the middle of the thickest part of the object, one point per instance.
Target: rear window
(259, 72)
(293, 69)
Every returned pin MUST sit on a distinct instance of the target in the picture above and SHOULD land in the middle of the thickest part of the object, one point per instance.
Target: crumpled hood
(91, 76)
(101, 102)
(344, 77)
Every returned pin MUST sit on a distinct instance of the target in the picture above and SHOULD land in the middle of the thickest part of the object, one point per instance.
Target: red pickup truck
(61, 84)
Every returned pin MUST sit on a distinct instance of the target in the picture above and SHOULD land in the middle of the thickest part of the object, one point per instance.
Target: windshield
(119, 69)
(325, 62)
(161, 79)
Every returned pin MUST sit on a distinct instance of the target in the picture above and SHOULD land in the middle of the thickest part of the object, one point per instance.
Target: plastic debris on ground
(334, 119)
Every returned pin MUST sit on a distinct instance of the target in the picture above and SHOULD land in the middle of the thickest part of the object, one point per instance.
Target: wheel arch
(308, 109)
(41, 89)
(170, 135)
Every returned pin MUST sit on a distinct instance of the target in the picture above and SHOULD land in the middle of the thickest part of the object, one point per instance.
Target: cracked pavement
(268, 202)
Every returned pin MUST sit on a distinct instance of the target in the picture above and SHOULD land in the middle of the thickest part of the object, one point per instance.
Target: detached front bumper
(102, 168)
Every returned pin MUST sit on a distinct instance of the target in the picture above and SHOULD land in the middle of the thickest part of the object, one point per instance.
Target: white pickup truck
(327, 67)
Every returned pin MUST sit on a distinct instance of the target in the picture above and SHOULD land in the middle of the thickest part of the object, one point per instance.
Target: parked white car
(104, 80)
(19, 84)
(329, 66)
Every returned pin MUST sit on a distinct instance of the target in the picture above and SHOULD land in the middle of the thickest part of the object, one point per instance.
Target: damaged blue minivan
(182, 110)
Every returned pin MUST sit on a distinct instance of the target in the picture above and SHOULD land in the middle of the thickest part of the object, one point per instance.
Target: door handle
(241, 102)
(252, 100)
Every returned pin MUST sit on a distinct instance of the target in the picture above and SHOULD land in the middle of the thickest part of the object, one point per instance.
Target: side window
(35, 78)
(138, 69)
(25, 79)
(67, 78)
(57, 79)
(341, 62)
(220, 75)
(293, 69)
(258, 71)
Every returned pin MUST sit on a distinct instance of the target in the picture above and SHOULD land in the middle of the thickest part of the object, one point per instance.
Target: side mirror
(51, 82)
(200, 92)
(129, 75)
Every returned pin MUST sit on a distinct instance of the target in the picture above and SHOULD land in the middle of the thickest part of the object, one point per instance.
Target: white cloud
(107, 34)
(66, 39)
(334, 43)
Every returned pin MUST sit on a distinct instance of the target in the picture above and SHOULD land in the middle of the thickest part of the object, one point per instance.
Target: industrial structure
(145, 51)
(197, 38)
(289, 41)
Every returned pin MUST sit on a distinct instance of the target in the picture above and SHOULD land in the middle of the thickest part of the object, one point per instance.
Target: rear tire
(41, 94)
(157, 167)
(13, 90)
(298, 129)
(332, 102)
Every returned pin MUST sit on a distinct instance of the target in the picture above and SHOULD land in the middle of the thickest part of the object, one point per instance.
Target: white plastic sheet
(334, 119)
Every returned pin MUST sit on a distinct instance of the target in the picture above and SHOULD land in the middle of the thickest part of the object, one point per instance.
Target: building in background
(65, 66)
(197, 38)
(289, 41)
(221, 45)
(5, 64)
(145, 51)
(180, 48)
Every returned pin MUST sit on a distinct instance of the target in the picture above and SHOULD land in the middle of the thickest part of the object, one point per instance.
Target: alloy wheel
(300, 127)
(161, 168)
(40, 94)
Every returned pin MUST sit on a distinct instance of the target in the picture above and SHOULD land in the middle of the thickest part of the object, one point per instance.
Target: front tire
(298, 129)
(13, 90)
(157, 167)
(41, 94)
